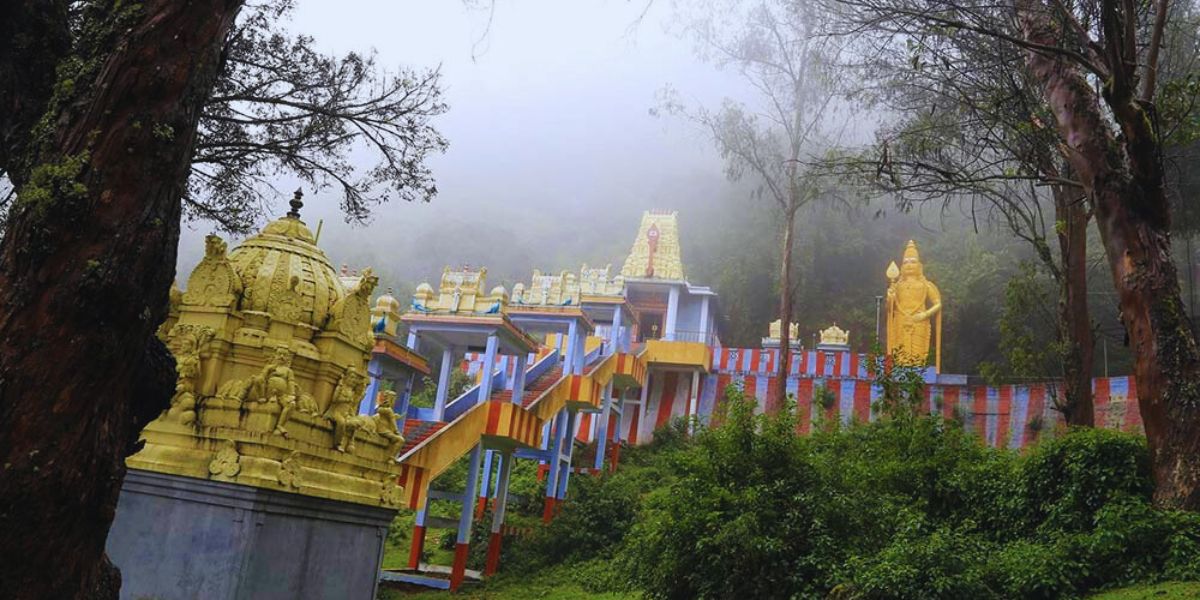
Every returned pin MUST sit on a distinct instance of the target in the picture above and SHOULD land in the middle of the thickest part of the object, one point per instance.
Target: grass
(1162, 591)
(551, 584)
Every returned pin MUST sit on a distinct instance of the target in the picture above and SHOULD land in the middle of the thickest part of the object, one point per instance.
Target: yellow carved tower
(655, 253)
(272, 348)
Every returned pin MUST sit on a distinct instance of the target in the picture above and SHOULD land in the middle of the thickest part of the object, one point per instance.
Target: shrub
(939, 564)
(905, 507)
(1067, 480)
(594, 519)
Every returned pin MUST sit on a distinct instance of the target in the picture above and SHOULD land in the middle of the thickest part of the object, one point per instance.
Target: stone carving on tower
(775, 334)
(460, 292)
(548, 290)
(597, 281)
(834, 338)
(655, 253)
(912, 302)
(213, 282)
(270, 348)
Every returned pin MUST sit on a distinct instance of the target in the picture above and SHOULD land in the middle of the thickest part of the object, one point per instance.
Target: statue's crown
(910, 253)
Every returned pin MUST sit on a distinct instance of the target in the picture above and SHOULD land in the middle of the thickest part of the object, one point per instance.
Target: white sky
(551, 114)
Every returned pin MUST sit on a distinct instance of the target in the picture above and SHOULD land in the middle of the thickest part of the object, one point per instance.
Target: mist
(553, 151)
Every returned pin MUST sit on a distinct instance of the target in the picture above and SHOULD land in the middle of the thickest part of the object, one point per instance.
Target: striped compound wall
(1011, 416)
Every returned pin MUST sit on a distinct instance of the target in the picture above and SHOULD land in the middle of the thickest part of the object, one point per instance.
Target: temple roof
(284, 273)
(655, 253)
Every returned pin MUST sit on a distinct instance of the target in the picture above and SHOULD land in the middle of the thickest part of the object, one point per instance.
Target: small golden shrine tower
(912, 300)
(775, 335)
(597, 281)
(548, 290)
(460, 292)
(655, 253)
(834, 338)
(271, 350)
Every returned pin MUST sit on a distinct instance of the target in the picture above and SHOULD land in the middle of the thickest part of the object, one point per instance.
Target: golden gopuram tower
(912, 302)
(655, 253)
(272, 348)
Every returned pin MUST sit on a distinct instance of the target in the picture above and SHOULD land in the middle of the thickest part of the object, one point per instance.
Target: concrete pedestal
(177, 538)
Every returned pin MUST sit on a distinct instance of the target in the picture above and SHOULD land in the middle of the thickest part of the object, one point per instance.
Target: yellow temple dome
(284, 273)
(387, 302)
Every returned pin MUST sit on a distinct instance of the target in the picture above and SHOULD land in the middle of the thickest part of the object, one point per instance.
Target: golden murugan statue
(911, 301)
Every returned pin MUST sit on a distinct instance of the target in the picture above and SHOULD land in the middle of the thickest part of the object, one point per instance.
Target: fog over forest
(555, 150)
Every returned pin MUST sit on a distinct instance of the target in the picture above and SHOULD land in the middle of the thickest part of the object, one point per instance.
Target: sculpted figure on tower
(912, 300)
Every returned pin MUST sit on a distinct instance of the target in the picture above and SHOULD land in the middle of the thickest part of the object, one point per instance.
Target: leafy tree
(1096, 65)
(281, 107)
(778, 50)
(971, 133)
(104, 106)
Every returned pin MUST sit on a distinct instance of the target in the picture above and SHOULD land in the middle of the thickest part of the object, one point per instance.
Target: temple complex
(293, 439)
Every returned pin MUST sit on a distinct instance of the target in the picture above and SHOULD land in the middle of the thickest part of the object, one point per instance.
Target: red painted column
(418, 547)
(459, 568)
(493, 554)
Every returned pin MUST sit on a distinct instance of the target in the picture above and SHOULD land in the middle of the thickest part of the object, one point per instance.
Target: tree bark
(85, 270)
(1074, 322)
(1123, 179)
(785, 312)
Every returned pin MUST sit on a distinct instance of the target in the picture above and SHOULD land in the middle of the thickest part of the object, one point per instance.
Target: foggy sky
(553, 153)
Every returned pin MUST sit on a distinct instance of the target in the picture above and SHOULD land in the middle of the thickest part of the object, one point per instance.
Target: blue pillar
(375, 376)
(518, 386)
(672, 313)
(602, 426)
(439, 403)
(580, 350)
(405, 401)
(489, 368)
(493, 554)
(458, 569)
(569, 359)
(614, 335)
(564, 472)
(486, 483)
(561, 422)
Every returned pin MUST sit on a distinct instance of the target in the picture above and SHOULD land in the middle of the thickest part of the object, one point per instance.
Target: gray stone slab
(178, 538)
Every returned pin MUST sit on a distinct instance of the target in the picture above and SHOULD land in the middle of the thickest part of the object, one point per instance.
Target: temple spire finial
(296, 205)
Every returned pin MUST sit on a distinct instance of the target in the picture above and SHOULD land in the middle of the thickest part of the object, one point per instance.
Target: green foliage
(426, 396)
(1028, 343)
(1068, 480)
(905, 507)
(901, 386)
(733, 522)
(591, 523)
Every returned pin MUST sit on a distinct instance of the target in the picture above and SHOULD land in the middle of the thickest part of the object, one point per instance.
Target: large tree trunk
(1123, 179)
(1074, 322)
(85, 269)
(785, 312)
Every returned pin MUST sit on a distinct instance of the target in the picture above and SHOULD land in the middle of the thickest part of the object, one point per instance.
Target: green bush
(599, 510)
(1067, 480)
(940, 564)
(905, 507)
(734, 520)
